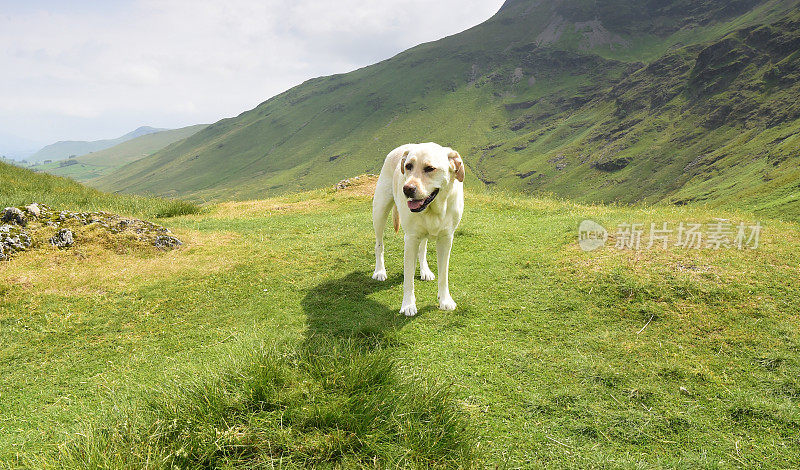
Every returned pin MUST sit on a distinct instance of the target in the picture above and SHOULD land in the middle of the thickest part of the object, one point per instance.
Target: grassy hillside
(597, 101)
(64, 149)
(263, 341)
(22, 187)
(95, 164)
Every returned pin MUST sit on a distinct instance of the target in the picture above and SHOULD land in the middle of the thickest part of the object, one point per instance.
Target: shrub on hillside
(176, 207)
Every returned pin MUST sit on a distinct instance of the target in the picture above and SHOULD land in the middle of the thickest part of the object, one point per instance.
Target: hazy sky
(91, 69)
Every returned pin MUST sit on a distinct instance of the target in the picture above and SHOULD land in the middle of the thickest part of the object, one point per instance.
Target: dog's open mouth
(419, 205)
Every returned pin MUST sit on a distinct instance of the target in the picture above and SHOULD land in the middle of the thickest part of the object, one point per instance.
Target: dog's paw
(426, 275)
(379, 275)
(409, 310)
(447, 304)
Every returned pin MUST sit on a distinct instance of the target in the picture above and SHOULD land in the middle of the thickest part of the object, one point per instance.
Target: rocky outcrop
(13, 238)
(166, 242)
(62, 239)
(356, 180)
(35, 225)
(34, 209)
(611, 165)
(14, 216)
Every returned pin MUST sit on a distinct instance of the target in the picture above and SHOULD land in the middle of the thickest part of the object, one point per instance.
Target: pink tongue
(415, 204)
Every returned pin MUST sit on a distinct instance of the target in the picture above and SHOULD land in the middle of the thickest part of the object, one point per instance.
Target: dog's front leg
(409, 306)
(425, 272)
(443, 245)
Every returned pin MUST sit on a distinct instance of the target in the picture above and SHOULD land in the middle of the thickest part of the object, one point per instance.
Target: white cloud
(89, 73)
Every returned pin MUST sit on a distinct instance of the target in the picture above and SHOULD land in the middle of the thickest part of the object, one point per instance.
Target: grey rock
(62, 239)
(13, 239)
(15, 216)
(166, 242)
(34, 209)
(25, 240)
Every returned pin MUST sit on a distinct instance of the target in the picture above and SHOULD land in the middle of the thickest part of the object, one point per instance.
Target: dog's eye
(429, 169)
(409, 166)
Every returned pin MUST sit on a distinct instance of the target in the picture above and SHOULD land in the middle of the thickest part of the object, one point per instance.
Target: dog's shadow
(341, 308)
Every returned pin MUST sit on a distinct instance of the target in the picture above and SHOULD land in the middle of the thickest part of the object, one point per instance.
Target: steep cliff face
(595, 100)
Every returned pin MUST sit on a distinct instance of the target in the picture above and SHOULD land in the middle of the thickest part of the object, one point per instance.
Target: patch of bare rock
(26, 227)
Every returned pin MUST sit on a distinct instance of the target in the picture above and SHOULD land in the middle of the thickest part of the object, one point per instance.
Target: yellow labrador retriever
(422, 184)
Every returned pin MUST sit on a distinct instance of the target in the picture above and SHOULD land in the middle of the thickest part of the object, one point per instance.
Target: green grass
(330, 401)
(554, 358)
(21, 187)
(178, 207)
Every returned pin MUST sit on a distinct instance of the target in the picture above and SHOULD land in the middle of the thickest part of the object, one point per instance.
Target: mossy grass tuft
(329, 402)
(176, 207)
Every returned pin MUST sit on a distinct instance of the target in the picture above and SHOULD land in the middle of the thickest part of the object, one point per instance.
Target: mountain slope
(65, 149)
(606, 100)
(103, 162)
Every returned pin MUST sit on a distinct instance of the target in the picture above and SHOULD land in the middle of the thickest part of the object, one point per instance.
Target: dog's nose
(409, 190)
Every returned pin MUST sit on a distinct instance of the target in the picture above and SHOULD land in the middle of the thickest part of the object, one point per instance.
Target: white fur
(437, 222)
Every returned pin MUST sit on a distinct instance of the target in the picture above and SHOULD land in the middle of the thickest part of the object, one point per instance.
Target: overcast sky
(93, 69)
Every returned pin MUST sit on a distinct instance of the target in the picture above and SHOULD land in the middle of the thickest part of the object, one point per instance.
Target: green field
(263, 342)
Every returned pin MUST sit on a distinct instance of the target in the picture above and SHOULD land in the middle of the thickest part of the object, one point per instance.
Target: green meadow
(263, 342)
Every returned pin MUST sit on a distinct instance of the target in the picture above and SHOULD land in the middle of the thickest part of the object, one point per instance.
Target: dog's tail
(395, 218)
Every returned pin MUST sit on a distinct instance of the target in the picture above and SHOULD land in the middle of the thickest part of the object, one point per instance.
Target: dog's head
(429, 169)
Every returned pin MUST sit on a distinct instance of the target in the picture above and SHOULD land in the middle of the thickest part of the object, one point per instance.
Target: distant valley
(73, 148)
(85, 168)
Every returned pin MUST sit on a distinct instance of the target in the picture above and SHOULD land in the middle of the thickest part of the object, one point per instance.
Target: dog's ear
(403, 163)
(457, 165)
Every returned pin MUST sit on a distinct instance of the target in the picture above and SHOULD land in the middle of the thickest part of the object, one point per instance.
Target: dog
(422, 184)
